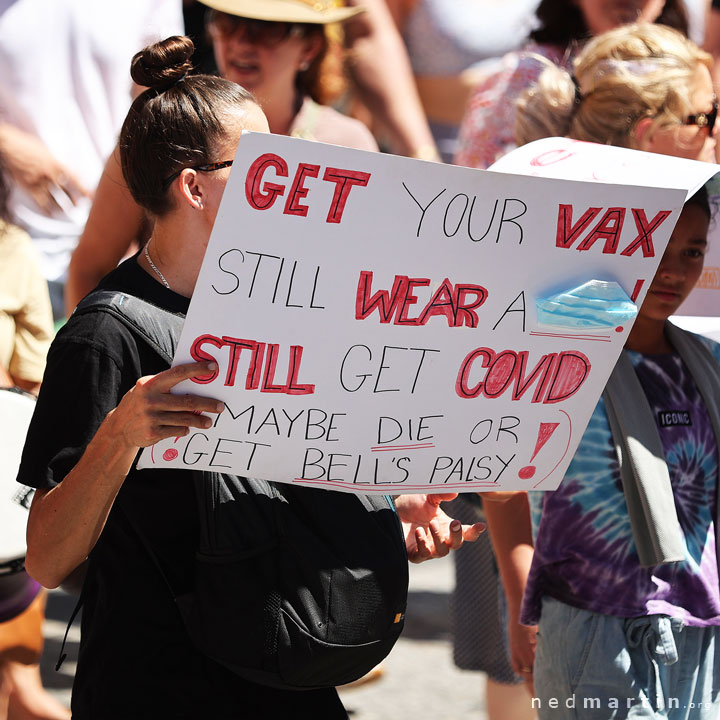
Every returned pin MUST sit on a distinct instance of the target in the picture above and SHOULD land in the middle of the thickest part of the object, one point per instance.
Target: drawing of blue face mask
(595, 304)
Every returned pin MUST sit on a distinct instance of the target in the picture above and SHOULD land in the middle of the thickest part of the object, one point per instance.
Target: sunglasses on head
(705, 119)
(259, 32)
(200, 168)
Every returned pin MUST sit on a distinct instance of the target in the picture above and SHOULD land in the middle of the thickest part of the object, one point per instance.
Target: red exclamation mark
(633, 297)
(172, 453)
(544, 433)
(637, 289)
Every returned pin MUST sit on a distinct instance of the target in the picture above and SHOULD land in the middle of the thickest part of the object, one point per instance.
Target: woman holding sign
(106, 394)
(624, 575)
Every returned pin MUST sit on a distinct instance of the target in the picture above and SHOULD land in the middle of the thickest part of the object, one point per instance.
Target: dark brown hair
(702, 200)
(178, 122)
(562, 22)
(324, 80)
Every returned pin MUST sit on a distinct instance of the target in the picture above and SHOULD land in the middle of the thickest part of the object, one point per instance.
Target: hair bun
(163, 64)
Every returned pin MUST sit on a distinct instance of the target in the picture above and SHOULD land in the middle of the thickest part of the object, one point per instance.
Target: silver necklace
(155, 268)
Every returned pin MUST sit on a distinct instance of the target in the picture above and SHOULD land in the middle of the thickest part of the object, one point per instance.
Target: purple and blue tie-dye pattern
(585, 555)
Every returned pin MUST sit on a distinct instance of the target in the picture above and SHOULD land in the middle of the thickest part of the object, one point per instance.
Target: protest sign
(383, 324)
(575, 160)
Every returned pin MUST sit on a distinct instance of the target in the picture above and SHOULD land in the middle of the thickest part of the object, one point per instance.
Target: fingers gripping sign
(150, 412)
(429, 531)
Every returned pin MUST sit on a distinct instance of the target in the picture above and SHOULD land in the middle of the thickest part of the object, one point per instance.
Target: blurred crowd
(453, 81)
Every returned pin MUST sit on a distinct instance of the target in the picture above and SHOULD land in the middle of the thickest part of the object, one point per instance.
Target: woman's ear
(191, 190)
(643, 132)
(313, 45)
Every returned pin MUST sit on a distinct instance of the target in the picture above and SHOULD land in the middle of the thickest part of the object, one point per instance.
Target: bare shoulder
(337, 129)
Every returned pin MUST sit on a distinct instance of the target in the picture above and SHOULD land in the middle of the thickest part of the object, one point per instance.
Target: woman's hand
(66, 521)
(429, 532)
(149, 412)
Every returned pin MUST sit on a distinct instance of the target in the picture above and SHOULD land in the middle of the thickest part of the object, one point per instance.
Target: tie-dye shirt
(585, 554)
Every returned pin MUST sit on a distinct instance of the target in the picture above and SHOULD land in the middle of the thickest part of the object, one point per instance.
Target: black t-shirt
(135, 658)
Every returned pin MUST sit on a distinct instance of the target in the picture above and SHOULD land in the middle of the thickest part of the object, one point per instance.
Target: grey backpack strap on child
(296, 588)
(644, 472)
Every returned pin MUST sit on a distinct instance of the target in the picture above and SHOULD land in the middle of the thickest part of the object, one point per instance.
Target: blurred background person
(487, 133)
(389, 105)
(25, 314)
(64, 92)
(453, 45)
(643, 87)
(383, 92)
(712, 37)
(663, 102)
(26, 330)
(488, 127)
(448, 42)
(290, 58)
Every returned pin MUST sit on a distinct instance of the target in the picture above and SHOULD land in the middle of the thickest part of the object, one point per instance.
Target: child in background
(26, 330)
(611, 625)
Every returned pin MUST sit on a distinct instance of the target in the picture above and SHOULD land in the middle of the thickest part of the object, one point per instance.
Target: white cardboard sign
(374, 319)
(562, 157)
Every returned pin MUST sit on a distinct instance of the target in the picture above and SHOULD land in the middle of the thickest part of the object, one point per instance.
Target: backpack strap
(644, 472)
(62, 655)
(160, 329)
(153, 557)
(646, 480)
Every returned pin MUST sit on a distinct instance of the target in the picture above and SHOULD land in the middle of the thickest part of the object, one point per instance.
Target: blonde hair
(624, 75)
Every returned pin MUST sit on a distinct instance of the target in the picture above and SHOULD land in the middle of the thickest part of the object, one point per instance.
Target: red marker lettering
(344, 181)
(299, 191)
(263, 198)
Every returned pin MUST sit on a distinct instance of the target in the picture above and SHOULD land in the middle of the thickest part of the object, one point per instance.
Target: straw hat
(318, 12)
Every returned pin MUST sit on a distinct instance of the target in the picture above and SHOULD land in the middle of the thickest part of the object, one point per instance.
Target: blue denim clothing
(590, 666)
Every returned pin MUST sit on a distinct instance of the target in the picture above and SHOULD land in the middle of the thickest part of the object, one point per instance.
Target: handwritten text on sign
(571, 159)
(373, 319)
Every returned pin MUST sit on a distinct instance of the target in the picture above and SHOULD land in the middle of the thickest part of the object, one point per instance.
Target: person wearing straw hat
(288, 54)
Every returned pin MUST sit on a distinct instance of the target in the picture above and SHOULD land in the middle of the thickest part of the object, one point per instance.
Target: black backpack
(296, 588)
